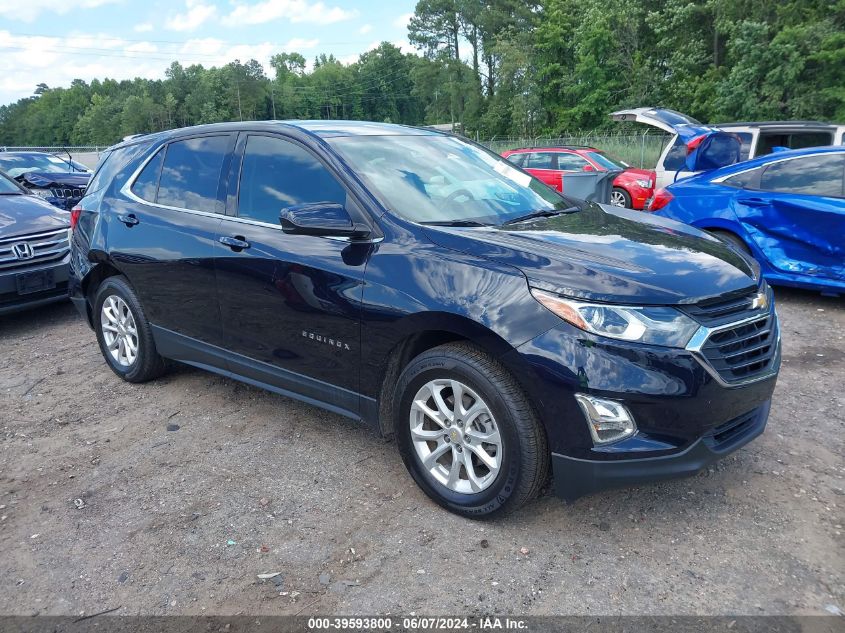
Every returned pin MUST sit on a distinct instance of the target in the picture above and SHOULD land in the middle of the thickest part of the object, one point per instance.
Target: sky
(56, 41)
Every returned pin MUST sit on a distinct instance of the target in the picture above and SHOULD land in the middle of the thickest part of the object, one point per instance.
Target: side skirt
(185, 349)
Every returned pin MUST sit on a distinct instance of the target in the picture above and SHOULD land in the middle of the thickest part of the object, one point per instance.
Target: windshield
(442, 179)
(607, 161)
(17, 164)
(8, 186)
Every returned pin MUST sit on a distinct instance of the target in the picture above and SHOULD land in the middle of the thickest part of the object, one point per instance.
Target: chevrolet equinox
(421, 284)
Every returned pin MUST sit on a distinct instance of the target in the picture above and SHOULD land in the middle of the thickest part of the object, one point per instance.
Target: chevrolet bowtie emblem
(760, 301)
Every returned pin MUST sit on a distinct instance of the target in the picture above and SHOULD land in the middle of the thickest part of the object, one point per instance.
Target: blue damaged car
(787, 209)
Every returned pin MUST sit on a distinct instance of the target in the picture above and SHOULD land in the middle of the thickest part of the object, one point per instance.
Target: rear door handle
(128, 219)
(754, 202)
(236, 243)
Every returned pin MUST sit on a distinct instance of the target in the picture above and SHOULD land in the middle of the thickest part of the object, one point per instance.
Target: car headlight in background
(42, 193)
(658, 325)
(646, 184)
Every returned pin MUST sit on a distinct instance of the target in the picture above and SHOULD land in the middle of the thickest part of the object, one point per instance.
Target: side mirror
(589, 168)
(320, 218)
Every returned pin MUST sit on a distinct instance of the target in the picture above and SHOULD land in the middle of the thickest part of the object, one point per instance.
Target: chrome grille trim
(707, 351)
(47, 246)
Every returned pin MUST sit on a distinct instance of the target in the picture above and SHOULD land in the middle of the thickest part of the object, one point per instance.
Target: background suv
(425, 286)
(632, 188)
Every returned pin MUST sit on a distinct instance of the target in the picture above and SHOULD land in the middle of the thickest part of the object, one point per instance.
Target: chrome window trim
(702, 335)
(722, 179)
(126, 190)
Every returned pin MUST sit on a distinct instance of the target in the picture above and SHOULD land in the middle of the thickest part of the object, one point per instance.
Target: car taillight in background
(661, 199)
(74, 217)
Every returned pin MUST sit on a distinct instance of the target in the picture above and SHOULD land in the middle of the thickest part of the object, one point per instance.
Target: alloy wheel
(120, 333)
(617, 199)
(455, 436)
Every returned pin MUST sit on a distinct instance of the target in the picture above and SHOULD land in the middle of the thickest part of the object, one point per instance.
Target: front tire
(620, 198)
(467, 433)
(123, 332)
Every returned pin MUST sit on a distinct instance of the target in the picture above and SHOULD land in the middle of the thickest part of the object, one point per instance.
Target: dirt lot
(194, 484)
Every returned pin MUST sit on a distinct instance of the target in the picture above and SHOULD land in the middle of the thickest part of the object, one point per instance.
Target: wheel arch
(100, 270)
(424, 331)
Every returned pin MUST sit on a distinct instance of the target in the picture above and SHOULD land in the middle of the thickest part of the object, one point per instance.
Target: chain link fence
(638, 150)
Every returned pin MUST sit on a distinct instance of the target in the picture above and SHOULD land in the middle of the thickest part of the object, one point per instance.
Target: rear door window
(190, 176)
(541, 160)
(571, 162)
(277, 174)
(793, 140)
(821, 175)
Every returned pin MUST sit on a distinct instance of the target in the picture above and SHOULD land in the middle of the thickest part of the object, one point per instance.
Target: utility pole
(273, 98)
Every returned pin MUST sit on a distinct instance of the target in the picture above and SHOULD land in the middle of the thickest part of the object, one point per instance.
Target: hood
(612, 255)
(73, 179)
(25, 214)
(638, 174)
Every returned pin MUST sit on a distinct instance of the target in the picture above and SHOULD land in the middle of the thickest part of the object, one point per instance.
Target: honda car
(428, 288)
(34, 249)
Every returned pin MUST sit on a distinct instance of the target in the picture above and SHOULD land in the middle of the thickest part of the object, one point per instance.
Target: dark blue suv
(427, 287)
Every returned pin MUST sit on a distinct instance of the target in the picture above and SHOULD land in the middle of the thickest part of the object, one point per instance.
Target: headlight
(644, 183)
(42, 193)
(653, 325)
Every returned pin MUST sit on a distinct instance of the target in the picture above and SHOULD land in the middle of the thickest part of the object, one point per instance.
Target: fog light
(608, 420)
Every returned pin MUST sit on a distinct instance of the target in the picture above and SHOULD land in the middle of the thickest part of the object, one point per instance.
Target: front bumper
(574, 478)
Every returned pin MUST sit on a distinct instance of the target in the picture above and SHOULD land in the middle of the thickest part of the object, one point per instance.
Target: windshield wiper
(541, 214)
(456, 223)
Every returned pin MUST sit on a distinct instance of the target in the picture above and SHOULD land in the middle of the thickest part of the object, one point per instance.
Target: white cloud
(32, 60)
(365, 29)
(32, 9)
(298, 43)
(143, 27)
(403, 20)
(195, 16)
(292, 10)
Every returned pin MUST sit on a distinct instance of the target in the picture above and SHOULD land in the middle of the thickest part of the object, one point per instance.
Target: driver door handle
(237, 243)
(128, 219)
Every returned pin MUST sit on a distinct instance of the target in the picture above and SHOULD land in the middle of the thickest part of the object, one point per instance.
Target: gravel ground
(194, 484)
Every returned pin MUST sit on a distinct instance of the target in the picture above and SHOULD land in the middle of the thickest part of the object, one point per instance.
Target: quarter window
(146, 184)
(517, 159)
(277, 174)
(814, 175)
(744, 180)
(190, 176)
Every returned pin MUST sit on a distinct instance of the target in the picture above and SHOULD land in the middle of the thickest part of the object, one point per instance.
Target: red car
(632, 188)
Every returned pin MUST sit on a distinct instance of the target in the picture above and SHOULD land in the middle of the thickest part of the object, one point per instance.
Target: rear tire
(620, 198)
(483, 458)
(733, 239)
(124, 333)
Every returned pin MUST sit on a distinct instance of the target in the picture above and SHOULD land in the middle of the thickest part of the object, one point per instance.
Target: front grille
(67, 192)
(743, 351)
(715, 312)
(40, 248)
